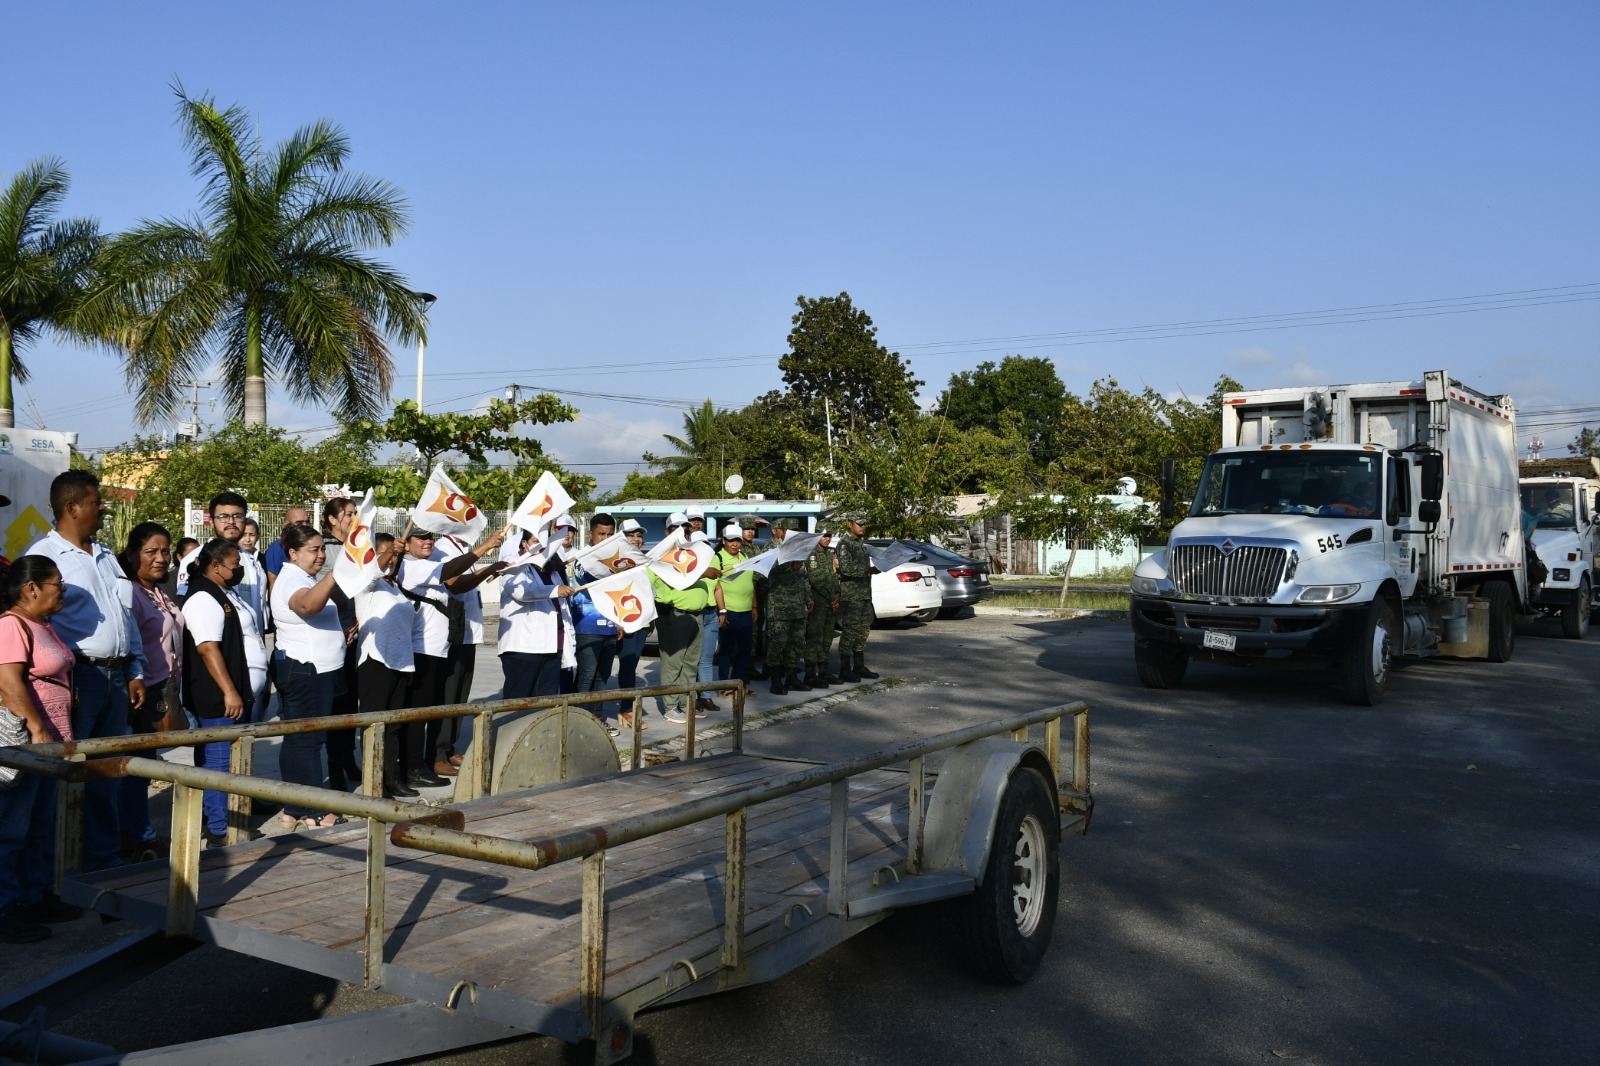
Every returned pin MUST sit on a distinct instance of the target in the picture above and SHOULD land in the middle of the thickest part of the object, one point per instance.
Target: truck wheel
(1364, 669)
(1502, 621)
(1005, 924)
(1575, 615)
(1159, 665)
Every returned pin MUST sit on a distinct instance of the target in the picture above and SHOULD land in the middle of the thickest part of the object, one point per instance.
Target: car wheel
(1005, 925)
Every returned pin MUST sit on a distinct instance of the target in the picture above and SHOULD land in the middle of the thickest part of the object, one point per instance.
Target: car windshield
(1335, 484)
(1550, 505)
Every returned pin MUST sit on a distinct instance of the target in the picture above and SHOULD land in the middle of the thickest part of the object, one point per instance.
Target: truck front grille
(1249, 572)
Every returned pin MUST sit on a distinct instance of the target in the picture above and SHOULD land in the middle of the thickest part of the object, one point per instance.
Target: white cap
(564, 522)
(630, 525)
(731, 531)
(694, 512)
(677, 518)
(699, 537)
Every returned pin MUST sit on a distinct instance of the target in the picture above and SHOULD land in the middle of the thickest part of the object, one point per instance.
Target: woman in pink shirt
(36, 685)
(146, 560)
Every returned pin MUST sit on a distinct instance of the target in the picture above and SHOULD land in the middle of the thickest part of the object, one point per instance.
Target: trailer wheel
(1006, 923)
(1159, 665)
(1364, 669)
(1575, 615)
(1502, 621)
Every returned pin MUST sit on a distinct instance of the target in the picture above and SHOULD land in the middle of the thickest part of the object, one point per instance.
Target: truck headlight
(1151, 586)
(1561, 573)
(1327, 593)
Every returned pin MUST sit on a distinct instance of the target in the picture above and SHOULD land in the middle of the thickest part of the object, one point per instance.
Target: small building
(652, 514)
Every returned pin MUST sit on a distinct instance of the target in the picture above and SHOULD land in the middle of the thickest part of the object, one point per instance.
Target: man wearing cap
(788, 602)
(631, 648)
(855, 599)
(697, 520)
(737, 611)
(749, 525)
(678, 636)
(824, 582)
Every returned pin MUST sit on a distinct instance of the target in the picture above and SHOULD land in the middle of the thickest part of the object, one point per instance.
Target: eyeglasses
(52, 584)
(227, 516)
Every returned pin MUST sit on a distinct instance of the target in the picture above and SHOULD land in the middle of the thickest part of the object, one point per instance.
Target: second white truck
(1343, 526)
(1558, 508)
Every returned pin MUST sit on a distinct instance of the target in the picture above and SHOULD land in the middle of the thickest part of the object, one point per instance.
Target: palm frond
(353, 209)
(36, 191)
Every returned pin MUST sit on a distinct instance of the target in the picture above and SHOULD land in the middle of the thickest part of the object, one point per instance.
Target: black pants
(457, 688)
(384, 689)
(427, 690)
(343, 769)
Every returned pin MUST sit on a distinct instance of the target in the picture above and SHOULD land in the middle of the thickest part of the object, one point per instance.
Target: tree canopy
(1027, 388)
(835, 368)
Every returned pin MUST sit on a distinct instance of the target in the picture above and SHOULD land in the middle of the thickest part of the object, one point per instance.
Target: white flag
(446, 510)
(761, 563)
(626, 598)
(608, 557)
(355, 568)
(796, 547)
(891, 555)
(672, 540)
(683, 565)
(545, 502)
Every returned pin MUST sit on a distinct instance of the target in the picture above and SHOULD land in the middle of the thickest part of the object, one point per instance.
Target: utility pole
(190, 430)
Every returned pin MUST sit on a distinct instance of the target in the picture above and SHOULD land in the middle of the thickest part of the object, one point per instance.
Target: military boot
(797, 684)
(817, 674)
(861, 670)
(778, 687)
(847, 668)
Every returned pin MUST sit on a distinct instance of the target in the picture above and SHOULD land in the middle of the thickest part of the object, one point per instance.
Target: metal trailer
(566, 909)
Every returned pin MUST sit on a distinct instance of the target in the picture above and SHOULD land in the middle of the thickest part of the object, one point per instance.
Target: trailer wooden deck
(514, 934)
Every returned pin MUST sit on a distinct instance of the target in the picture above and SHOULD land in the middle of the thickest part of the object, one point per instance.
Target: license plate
(1219, 641)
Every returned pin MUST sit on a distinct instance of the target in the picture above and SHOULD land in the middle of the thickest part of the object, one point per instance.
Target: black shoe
(777, 688)
(862, 671)
(816, 676)
(797, 685)
(425, 779)
(50, 910)
(18, 928)
(397, 789)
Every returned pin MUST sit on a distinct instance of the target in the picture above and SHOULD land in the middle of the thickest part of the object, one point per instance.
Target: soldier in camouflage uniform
(824, 582)
(855, 599)
(788, 602)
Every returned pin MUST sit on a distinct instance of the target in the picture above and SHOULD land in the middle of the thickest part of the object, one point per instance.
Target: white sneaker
(677, 717)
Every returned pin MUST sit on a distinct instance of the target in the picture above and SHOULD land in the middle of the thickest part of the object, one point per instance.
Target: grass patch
(1089, 601)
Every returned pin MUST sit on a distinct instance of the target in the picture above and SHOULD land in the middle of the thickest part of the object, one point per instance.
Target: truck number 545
(1328, 544)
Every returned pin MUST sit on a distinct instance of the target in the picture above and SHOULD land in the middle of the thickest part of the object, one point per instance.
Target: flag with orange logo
(625, 598)
(355, 568)
(545, 502)
(446, 510)
(678, 562)
(609, 556)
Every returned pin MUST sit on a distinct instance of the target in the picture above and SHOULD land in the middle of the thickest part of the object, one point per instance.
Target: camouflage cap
(750, 521)
(787, 523)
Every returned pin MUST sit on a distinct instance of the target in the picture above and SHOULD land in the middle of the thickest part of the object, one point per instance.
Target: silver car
(962, 581)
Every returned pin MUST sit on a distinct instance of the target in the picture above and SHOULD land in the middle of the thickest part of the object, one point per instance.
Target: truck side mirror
(1432, 466)
(1169, 488)
(1428, 512)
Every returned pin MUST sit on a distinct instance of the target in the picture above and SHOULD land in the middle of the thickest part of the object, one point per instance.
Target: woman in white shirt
(225, 663)
(313, 643)
(535, 628)
(386, 617)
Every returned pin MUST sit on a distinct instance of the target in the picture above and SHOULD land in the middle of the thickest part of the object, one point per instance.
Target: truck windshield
(1337, 484)
(1548, 507)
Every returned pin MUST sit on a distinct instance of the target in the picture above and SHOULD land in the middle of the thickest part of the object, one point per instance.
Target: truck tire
(1159, 665)
(1005, 925)
(1364, 669)
(1575, 615)
(1502, 621)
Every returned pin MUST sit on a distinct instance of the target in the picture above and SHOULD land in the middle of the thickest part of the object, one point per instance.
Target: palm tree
(43, 268)
(269, 279)
(701, 449)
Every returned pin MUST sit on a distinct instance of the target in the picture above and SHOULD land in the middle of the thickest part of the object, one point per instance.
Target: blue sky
(604, 193)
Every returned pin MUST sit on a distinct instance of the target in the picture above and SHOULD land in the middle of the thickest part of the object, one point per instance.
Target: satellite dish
(733, 484)
(1126, 486)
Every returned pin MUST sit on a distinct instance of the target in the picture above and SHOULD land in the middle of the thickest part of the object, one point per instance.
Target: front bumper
(1263, 632)
(1546, 596)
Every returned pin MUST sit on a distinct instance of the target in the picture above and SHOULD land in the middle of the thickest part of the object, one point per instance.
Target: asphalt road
(1271, 876)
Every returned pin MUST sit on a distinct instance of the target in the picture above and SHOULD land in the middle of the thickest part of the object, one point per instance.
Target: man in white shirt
(96, 623)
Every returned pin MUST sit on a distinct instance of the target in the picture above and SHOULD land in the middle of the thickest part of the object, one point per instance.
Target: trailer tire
(1575, 615)
(1159, 665)
(1502, 621)
(1364, 669)
(1005, 925)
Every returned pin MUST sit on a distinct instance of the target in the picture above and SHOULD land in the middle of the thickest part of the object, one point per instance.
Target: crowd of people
(169, 633)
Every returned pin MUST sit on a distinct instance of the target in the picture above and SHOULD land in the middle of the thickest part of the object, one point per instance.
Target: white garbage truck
(1342, 526)
(1558, 507)
(30, 459)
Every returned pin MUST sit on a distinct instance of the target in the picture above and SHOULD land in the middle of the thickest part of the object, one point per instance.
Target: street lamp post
(426, 299)
(512, 391)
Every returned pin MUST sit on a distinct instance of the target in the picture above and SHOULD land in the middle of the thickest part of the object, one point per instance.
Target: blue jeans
(708, 644)
(531, 673)
(102, 711)
(596, 654)
(733, 659)
(215, 756)
(628, 655)
(305, 694)
(27, 839)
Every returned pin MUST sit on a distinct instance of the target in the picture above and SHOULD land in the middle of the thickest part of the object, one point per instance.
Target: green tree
(777, 449)
(898, 479)
(836, 369)
(1071, 513)
(269, 280)
(44, 265)
(1028, 388)
(701, 453)
(1587, 442)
